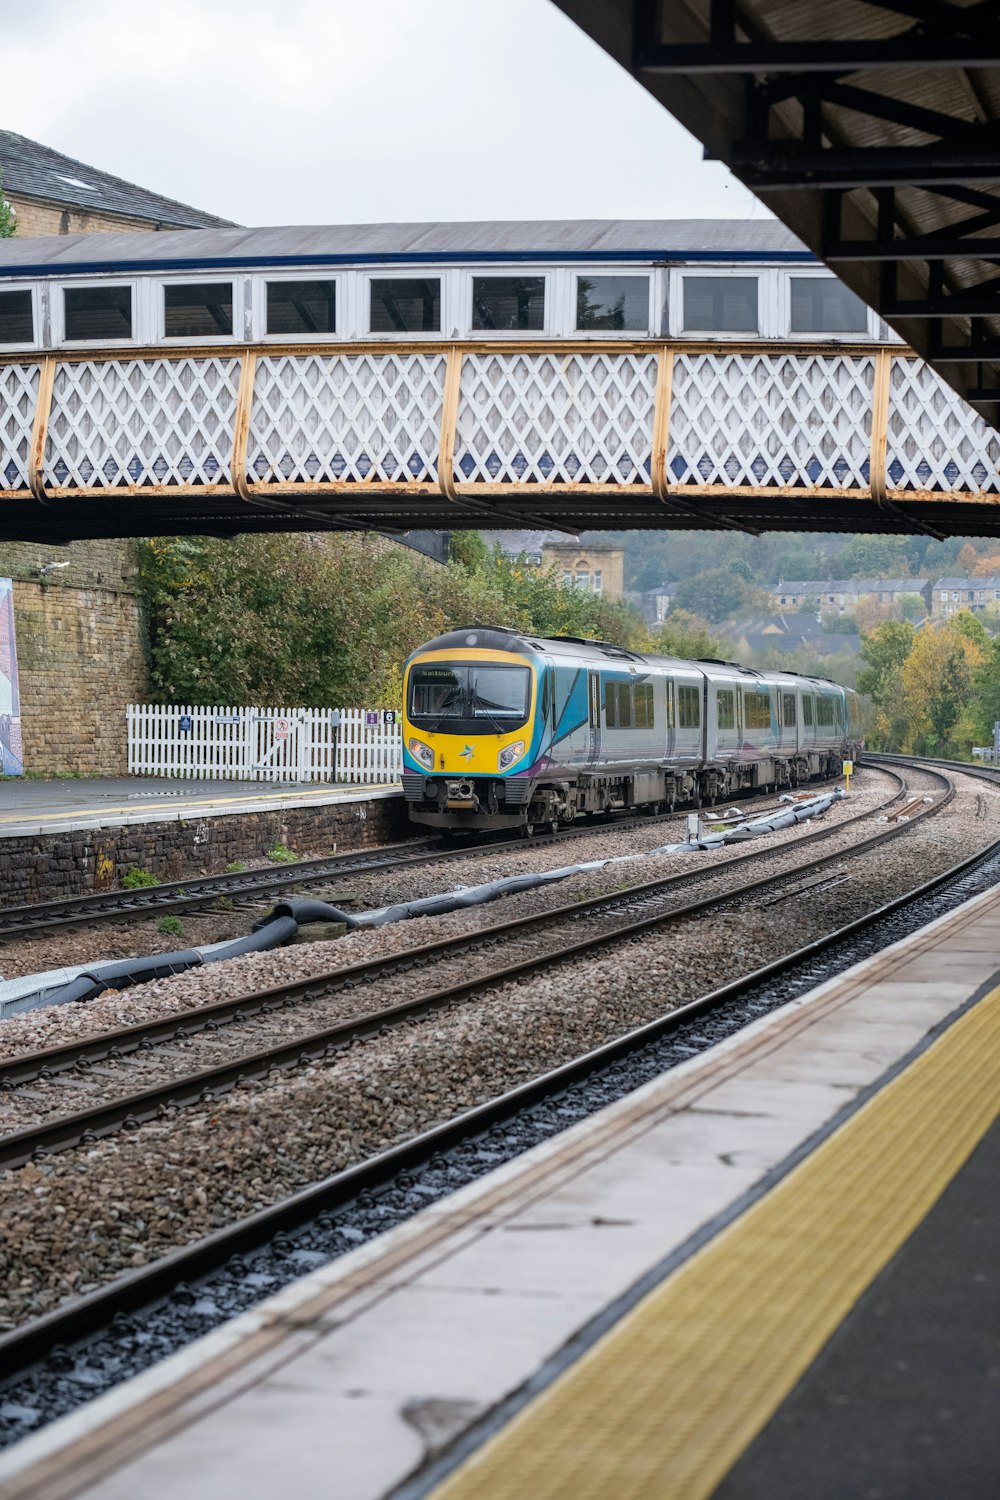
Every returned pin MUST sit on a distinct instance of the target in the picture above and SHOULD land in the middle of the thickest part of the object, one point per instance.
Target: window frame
(506, 273)
(816, 273)
(407, 273)
(179, 340)
(650, 276)
(730, 694)
(683, 690)
(259, 308)
(36, 315)
(758, 695)
(58, 312)
(702, 270)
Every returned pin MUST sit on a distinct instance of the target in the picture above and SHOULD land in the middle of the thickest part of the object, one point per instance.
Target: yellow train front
(471, 732)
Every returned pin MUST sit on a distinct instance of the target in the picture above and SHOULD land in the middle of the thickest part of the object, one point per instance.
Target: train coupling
(461, 797)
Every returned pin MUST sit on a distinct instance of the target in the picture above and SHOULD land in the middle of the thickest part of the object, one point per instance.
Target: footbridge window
(720, 304)
(405, 305)
(17, 325)
(97, 312)
(301, 307)
(193, 310)
(618, 303)
(822, 304)
(508, 303)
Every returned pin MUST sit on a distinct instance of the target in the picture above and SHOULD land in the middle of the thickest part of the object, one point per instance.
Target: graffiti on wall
(11, 752)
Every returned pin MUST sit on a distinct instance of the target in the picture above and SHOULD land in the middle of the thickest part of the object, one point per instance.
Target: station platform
(771, 1272)
(58, 806)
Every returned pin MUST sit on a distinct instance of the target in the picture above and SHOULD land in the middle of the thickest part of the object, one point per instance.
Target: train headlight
(423, 753)
(510, 754)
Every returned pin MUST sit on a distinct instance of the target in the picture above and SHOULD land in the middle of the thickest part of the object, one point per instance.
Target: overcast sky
(335, 111)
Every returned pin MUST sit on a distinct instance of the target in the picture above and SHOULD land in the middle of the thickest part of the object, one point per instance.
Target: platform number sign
(185, 725)
(371, 718)
(388, 716)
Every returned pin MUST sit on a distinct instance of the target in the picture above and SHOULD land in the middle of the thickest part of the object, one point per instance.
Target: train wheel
(553, 825)
(528, 830)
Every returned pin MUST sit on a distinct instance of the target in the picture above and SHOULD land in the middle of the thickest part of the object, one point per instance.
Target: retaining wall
(47, 867)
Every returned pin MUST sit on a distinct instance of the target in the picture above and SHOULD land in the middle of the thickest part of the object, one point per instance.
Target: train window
(544, 706)
(688, 707)
(16, 321)
(669, 705)
(727, 708)
(757, 709)
(508, 302)
(788, 710)
(617, 302)
(824, 712)
(720, 304)
(644, 705)
(403, 305)
(98, 312)
(807, 709)
(302, 307)
(823, 304)
(198, 309)
(624, 705)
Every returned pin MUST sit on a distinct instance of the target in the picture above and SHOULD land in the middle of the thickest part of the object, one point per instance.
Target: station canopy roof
(871, 128)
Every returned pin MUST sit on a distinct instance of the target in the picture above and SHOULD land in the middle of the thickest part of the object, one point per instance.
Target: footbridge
(569, 375)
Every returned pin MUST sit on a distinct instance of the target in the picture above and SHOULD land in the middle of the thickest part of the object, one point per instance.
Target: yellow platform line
(662, 1406)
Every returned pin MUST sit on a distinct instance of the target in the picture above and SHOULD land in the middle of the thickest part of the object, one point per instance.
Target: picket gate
(356, 745)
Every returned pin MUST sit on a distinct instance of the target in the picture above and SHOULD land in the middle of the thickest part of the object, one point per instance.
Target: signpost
(848, 772)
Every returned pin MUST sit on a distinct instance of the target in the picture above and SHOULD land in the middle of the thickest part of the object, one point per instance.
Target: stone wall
(79, 653)
(36, 216)
(51, 866)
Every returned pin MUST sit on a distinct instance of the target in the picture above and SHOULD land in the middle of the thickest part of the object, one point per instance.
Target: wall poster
(11, 752)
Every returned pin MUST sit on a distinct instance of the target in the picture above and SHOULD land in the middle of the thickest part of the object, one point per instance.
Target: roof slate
(654, 239)
(32, 170)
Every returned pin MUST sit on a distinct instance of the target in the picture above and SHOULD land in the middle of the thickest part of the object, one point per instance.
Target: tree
(685, 635)
(911, 606)
(741, 568)
(8, 219)
(716, 594)
(937, 679)
(967, 559)
(875, 557)
(884, 652)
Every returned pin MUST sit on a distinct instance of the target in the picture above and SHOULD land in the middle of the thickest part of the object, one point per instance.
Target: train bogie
(508, 730)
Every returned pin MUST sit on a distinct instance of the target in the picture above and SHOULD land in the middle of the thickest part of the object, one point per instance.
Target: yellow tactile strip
(662, 1406)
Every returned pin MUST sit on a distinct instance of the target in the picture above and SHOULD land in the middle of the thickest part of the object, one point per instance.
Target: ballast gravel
(77, 1220)
(52, 1025)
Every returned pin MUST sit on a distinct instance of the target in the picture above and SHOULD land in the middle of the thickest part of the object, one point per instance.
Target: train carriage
(502, 729)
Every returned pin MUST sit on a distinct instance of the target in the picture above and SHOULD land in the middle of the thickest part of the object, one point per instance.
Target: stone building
(53, 194)
(597, 567)
(952, 594)
(839, 595)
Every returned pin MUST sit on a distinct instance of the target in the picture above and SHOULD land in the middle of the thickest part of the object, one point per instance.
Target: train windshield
(469, 691)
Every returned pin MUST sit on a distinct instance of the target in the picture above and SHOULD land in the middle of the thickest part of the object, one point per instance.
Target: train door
(670, 717)
(594, 700)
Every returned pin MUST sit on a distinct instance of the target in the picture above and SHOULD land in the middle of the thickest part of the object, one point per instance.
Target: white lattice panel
(352, 418)
(18, 389)
(795, 420)
(556, 419)
(142, 422)
(936, 442)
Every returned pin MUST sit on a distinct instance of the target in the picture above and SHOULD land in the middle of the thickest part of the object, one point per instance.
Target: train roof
(502, 638)
(598, 240)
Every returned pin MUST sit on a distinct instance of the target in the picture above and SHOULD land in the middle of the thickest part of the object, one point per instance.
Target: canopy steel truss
(870, 127)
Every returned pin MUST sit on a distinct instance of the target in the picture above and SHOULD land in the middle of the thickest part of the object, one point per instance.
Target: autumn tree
(937, 679)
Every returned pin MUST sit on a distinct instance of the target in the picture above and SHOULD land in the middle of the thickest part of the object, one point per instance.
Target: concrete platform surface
(619, 1313)
(57, 806)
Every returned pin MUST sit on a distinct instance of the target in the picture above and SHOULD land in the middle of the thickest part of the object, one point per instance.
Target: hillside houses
(840, 595)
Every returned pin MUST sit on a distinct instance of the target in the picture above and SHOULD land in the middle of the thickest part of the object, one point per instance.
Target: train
(503, 729)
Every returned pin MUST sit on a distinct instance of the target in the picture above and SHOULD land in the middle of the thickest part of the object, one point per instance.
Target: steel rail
(87, 1316)
(47, 1062)
(207, 1084)
(200, 890)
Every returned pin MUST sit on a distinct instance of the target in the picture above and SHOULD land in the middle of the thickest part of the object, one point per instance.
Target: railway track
(252, 886)
(168, 1277)
(531, 944)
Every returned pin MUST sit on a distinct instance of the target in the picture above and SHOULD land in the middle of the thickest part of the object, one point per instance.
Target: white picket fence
(265, 744)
